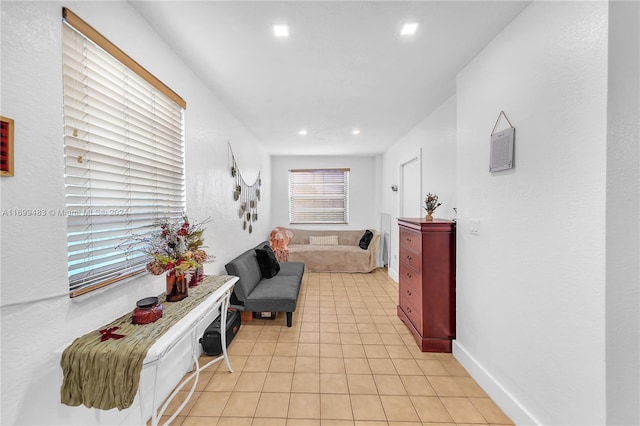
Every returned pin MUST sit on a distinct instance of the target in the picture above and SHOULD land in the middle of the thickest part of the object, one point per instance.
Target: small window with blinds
(124, 157)
(319, 196)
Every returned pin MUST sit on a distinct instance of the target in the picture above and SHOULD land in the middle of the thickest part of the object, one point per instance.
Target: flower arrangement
(431, 203)
(176, 247)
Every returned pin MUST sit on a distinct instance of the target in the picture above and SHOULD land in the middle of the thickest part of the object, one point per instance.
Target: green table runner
(105, 374)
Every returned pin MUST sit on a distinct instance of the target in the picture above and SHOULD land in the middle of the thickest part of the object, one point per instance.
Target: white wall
(531, 285)
(434, 139)
(363, 191)
(33, 249)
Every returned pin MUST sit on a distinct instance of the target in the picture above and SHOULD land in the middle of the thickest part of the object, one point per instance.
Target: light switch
(475, 227)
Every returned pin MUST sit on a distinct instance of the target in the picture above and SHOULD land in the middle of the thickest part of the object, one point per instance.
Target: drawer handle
(408, 274)
(409, 309)
(408, 239)
(409, 292)
(408, 257)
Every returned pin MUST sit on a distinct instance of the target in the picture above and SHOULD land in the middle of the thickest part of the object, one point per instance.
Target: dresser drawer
(410, 293)
(411, 277)
(414, 315)
(410, 258)
(411, 240)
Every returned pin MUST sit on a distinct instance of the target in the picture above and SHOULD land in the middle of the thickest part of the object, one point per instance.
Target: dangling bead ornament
(247, 195)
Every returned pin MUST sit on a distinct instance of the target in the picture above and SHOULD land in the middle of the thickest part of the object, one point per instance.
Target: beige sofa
(347, 256)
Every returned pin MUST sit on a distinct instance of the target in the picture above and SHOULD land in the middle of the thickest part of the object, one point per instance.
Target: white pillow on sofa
(326, 240)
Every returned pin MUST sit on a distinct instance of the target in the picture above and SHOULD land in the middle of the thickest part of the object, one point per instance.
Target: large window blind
(124, 160)
(319, 196)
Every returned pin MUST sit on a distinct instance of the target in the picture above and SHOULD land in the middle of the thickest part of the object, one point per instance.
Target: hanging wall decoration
(6, 146)
(501, 153)
(246, 195)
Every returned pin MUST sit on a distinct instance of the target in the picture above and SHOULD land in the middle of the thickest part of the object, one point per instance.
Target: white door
(409, 200)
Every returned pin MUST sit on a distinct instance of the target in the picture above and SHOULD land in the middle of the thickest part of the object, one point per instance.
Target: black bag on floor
(211, 339)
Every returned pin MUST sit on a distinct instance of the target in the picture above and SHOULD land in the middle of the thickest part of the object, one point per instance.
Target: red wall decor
(6, 146)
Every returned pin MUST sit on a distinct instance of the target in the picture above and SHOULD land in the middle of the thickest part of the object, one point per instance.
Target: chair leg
(289, 318)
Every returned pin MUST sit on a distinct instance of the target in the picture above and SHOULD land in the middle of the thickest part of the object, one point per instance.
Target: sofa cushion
(278, 294)
(247, 269)
(332, 258)
(291, 268)
(345, 237)
(267, 261)
(325, 240)
(366, 239)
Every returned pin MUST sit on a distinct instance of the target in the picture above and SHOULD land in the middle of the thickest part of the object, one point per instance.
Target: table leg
(223, 327)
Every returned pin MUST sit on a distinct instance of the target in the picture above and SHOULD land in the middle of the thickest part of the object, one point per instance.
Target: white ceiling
(344, 66)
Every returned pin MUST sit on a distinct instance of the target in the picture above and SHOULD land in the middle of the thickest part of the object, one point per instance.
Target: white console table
(187, 332)
(172, 356)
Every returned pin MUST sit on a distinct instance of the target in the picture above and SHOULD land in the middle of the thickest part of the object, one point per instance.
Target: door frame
(408, 159)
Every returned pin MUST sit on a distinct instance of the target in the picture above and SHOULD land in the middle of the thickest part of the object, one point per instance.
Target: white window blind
(319, 196)
(124, 163)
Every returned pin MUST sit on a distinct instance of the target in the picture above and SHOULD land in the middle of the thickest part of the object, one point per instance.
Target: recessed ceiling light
(302, 132)
(281, 30)
(409, 28)
(355, 132)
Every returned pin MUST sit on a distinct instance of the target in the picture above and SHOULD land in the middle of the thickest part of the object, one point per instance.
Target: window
(124, 157)
(319, 196)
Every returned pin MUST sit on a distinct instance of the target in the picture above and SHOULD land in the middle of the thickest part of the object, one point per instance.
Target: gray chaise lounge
(255, 293)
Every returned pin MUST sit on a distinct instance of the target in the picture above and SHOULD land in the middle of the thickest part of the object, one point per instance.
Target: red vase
(193, 280)
(177, 288)
(200, 273)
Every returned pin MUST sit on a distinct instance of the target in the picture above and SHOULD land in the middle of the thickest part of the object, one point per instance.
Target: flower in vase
(176, 247)
(431, 202)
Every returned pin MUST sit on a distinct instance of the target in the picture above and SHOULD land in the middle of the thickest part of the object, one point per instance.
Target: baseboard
(507, 403)
(393, 274)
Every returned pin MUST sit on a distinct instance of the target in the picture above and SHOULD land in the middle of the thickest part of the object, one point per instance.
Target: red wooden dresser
(427, 275)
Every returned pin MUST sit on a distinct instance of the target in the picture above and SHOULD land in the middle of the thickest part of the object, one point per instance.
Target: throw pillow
(267, 261)
(366, 239)
(326, 240)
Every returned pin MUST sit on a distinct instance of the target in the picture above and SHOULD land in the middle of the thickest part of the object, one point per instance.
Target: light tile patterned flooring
(347, 360)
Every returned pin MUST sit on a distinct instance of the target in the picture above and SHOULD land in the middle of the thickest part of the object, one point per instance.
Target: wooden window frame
(85, 273)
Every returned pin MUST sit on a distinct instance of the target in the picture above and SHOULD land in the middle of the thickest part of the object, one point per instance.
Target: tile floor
(347, 360)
